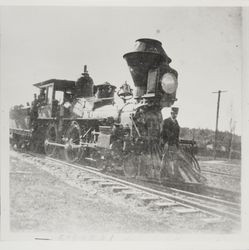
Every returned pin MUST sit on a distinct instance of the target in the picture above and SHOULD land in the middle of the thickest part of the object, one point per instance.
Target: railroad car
(81, 121)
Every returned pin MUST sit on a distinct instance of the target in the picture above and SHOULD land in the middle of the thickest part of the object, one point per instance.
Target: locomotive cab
(53, 93)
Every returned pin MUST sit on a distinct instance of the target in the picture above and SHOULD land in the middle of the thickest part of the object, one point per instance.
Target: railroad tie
(119, 188)
(165, 204)
(148, 199)
(185, 210)
(107, 184)
(129, 193)
(21, 172)
(95, 180)
(86, 178)
(212, 220)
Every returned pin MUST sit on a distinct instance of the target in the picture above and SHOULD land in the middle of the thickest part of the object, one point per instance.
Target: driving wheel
(50, 137)
(72, 149)
(130, 166)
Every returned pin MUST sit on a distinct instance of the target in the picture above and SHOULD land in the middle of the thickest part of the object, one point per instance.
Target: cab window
(59, 96)
(49, 94)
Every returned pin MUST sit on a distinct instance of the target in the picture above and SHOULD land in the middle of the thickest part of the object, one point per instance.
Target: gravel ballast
(41, 201)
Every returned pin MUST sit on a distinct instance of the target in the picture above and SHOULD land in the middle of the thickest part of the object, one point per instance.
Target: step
(185, 210)
(90, 159)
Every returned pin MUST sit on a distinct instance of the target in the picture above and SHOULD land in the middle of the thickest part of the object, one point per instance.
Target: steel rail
(220, 173)
(235, 216)
(207, 198)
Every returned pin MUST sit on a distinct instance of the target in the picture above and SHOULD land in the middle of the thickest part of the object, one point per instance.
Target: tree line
(228, 144)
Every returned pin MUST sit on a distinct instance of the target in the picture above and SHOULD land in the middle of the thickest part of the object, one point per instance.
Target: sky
(40, 43)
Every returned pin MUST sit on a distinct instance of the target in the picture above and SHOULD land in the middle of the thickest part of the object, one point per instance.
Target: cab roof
(58, 84)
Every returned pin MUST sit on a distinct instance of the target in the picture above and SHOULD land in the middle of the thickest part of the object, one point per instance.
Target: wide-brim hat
(174, 110)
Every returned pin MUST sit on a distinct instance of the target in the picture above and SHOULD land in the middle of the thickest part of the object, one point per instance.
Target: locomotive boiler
(82, 122)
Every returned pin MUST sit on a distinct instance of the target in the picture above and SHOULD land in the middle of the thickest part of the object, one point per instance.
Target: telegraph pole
(232, 131)
(217, 119)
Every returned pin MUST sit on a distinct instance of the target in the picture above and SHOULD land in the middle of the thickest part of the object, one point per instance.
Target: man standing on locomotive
(34, 111)
(170, 131)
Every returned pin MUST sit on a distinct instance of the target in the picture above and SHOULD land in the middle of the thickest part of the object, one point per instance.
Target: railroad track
(181, 202)
(221, 173)
(218, 192)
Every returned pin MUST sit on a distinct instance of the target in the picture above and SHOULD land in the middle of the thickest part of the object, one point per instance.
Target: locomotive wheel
(73, 135)
(130, 166)
(51, 136)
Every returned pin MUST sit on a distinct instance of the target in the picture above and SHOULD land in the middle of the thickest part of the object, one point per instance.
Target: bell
(125, 90)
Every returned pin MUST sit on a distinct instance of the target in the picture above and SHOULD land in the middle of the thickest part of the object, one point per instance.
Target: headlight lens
(169, 83)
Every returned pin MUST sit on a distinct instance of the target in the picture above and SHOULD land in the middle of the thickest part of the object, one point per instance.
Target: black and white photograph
(122, 122)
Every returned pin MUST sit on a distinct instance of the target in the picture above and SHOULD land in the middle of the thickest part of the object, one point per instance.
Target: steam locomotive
(82, 122)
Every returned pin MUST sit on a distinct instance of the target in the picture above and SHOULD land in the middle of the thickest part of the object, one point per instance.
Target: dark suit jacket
(170, 132)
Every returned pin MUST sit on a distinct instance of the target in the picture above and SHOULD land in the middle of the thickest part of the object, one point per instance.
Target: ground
(40, 202)
(230, 167)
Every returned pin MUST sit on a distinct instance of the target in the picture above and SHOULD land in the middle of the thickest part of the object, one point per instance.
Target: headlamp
(169, 83)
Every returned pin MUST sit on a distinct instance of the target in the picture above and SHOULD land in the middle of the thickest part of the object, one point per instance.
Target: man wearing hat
(170, 138)
(171, 129)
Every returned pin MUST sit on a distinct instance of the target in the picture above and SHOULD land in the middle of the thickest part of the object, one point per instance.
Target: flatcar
(81, 121)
